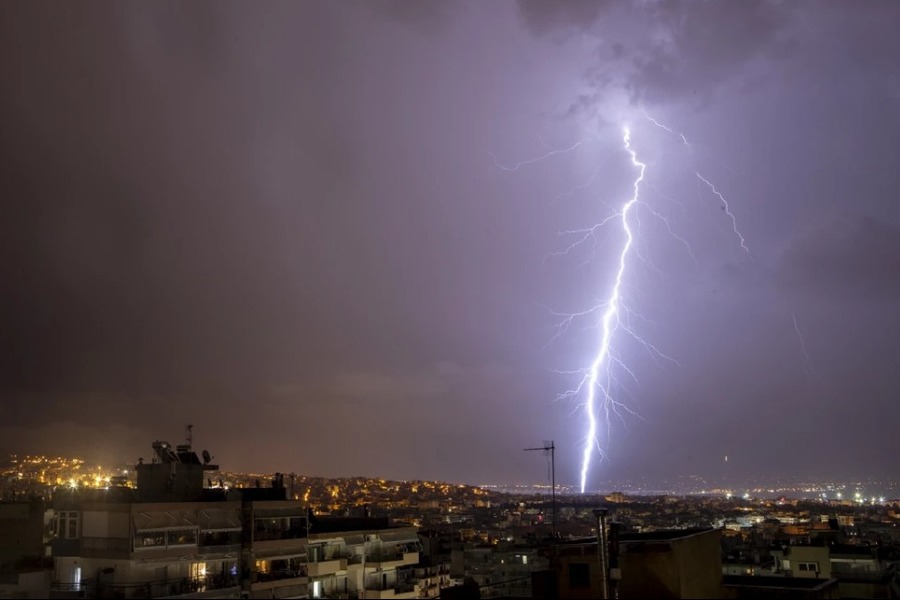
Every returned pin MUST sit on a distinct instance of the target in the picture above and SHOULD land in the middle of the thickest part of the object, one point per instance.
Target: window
(579, 575)
(198, 570)
(150, 539)
(316, 553)
(164, 539)
(810, 567)
(182, 537)
(220, 538)
(67, 525)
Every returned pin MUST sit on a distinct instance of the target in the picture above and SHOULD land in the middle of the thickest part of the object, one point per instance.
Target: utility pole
(602, 565)
(551, 448)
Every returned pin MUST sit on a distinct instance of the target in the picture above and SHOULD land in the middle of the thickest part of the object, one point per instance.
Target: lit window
(151, 539)
(182, 537)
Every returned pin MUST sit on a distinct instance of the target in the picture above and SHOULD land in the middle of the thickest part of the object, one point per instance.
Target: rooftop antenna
(189, 435)
(550, 448)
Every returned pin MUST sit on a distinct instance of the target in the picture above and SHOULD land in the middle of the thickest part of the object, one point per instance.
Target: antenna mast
(551, 448)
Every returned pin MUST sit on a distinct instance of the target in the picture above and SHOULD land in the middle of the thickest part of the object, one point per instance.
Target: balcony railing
(66, 547)
(219, 549)
(102, 544)
(400, 588)
(408, 558)
(326, 567)
(149, 589)
(280, 574)
(267, 535)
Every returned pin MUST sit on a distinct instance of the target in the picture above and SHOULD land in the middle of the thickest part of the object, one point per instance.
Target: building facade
(173, 537)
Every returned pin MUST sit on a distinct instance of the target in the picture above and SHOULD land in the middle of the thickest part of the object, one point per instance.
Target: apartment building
(363, 558)
(174, 537)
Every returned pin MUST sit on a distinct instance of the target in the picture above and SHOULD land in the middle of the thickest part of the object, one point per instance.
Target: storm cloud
(289, 225)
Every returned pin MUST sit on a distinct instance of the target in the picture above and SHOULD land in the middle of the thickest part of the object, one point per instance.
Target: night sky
(289, 224)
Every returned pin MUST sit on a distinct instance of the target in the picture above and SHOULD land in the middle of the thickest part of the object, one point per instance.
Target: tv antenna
(550, 449)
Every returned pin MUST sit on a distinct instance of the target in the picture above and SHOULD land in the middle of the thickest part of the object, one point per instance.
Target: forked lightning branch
(595, 391)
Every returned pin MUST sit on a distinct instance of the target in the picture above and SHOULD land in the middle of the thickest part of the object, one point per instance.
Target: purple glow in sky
(283, 224)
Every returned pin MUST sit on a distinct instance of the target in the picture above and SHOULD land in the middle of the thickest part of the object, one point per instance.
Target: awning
(164, 520)
(219, 519)
(354, 540)
(401, 536)
(289, 512)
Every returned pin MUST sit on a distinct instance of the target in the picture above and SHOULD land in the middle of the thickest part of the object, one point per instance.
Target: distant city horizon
(762, 486)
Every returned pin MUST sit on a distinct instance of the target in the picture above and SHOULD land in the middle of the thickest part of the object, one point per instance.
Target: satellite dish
(206, 457)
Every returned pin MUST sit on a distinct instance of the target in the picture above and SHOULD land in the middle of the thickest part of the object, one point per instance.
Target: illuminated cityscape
(494, 537)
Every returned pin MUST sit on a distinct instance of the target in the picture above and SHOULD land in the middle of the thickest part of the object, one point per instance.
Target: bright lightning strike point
(598, 390)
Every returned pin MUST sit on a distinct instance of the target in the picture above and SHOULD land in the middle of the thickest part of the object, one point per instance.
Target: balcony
(288, 582)
(392, 560)
(269, 535)
(327, 567)
(66, 547)
(403, 590)
(205, 587)
(220, 550)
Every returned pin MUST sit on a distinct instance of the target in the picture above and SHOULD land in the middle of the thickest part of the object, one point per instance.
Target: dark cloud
(664, 51)
(543, 18)
(705, 44)
(844, 260)
(428, 17)
(127, 205)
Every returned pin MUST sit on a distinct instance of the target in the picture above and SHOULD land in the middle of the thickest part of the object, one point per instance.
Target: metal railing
(279, 574)
(399, 588)
(91, 588)
(103, 544)
(266, 535)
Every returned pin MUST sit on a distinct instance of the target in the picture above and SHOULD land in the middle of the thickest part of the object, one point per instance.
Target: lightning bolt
(598, 390)
(550, 152)
(598, 380)
(807, 362)
(727, 210)
(667, 128)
